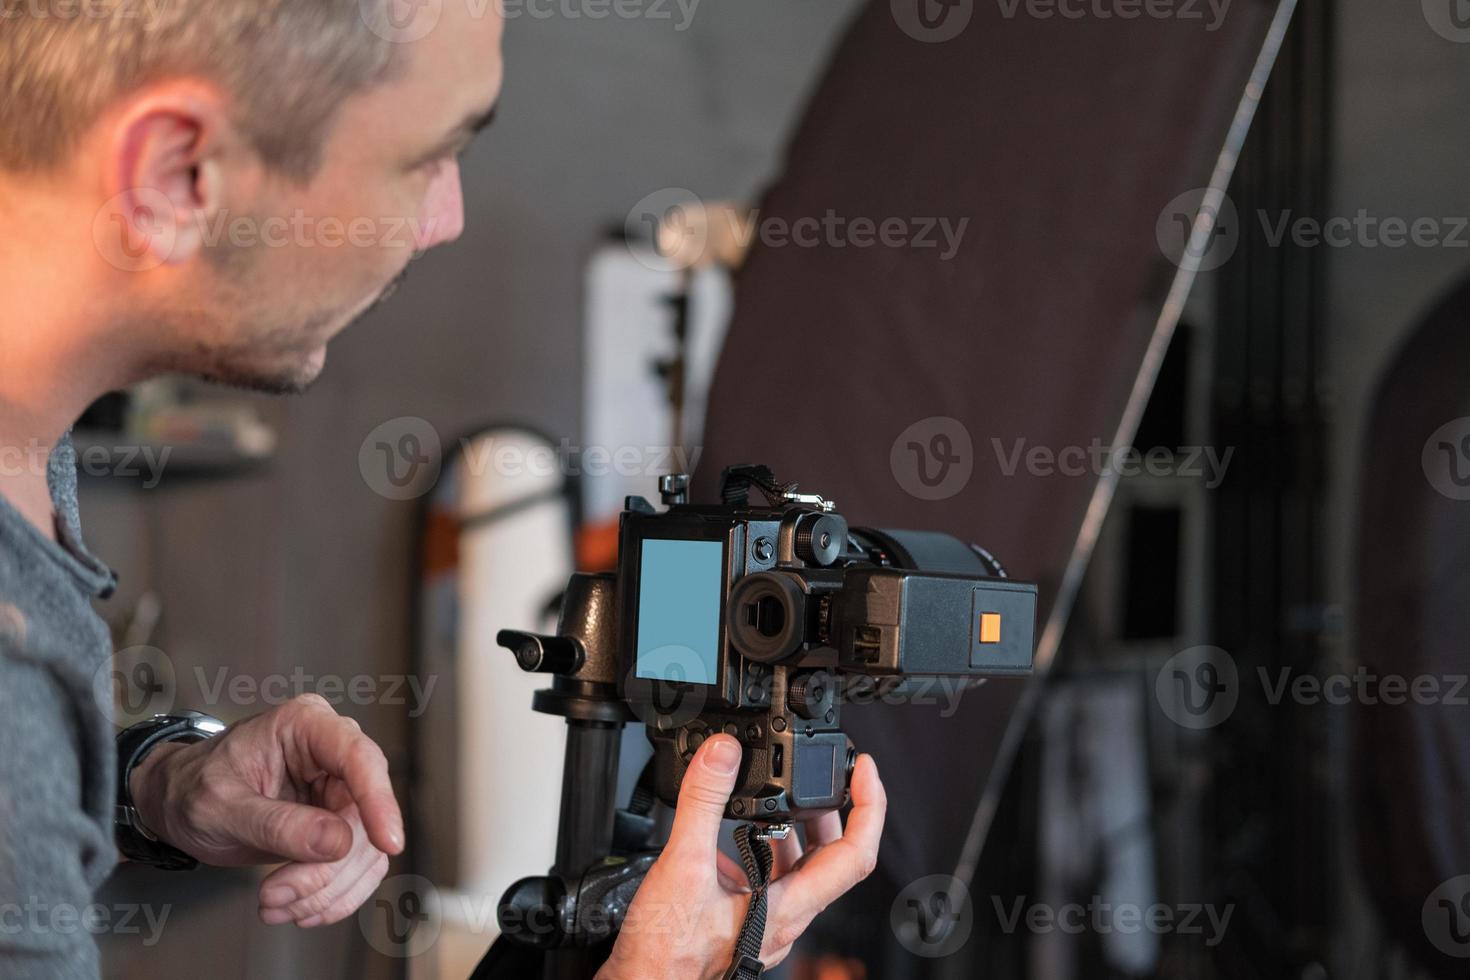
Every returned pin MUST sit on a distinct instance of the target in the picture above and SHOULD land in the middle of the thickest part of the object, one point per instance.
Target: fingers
(823, 830)
(354, 898)
(785, 854)
(300, 892)
(702, 799)
(732, 875)
(840, 864)
(818, 831)
(338, 746)
(291, 831)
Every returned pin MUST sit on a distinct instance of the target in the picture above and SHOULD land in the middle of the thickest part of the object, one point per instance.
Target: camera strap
(756, 855)
(736, 481)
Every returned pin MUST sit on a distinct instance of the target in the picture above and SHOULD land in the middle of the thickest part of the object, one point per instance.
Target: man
(130, 134)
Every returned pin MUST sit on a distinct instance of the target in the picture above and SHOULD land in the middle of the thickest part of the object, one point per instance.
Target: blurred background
(1109, 229)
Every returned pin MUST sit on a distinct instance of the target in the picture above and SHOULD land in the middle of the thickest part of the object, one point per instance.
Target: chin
(291, 379)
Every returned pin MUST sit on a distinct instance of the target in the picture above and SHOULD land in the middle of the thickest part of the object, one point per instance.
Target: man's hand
(685, 918)
(298, 784)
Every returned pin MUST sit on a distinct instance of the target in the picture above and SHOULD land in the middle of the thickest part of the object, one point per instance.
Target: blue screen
(680, 590)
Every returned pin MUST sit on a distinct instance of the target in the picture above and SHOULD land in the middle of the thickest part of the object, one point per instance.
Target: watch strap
(134, 840)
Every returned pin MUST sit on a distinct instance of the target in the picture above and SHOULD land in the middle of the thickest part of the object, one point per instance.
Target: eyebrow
(472, 125)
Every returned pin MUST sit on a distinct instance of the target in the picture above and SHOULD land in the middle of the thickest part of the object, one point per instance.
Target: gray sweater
(57, 756)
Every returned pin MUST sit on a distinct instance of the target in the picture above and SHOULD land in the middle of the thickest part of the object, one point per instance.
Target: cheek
(441, 218)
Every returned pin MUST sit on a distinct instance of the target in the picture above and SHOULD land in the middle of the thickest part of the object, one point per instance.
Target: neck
(55, 358)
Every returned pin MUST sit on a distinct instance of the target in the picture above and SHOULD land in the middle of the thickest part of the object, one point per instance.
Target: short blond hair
(287, 64)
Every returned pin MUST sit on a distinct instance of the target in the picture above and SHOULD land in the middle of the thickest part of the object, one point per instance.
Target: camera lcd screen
(680, 591)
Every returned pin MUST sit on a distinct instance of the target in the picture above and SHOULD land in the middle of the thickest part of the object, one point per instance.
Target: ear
(171, 156)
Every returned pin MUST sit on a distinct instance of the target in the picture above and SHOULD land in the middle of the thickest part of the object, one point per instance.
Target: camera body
(761, 621)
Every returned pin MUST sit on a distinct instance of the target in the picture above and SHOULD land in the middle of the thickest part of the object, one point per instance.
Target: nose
(441, 220)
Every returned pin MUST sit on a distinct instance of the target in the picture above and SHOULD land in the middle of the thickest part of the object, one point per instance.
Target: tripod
(561, 926)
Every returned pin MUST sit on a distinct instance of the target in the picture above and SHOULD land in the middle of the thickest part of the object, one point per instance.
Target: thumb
(707, 785)
(292, 830)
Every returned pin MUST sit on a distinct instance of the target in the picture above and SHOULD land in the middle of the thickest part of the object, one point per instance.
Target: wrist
(148, 786)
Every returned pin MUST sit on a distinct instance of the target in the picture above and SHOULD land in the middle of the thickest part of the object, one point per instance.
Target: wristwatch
(134, 840)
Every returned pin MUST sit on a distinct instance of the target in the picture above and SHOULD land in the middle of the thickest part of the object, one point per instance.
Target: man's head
(237, 180)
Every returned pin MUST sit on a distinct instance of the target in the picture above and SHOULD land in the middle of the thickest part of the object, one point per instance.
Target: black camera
(761, 621)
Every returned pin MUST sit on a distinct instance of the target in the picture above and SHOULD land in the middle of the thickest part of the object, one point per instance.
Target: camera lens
(766, 615)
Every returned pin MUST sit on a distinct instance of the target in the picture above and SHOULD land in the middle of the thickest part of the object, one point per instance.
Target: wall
(1400, 146)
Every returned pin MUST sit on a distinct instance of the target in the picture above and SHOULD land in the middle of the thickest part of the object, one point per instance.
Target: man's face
(276, 284)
